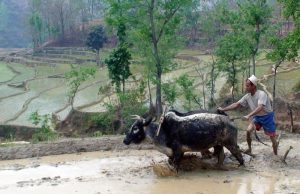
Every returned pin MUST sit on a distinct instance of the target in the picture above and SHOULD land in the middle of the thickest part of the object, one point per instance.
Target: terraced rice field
(28, 83)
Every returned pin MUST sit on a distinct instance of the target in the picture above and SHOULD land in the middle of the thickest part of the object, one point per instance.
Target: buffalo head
(136, 133)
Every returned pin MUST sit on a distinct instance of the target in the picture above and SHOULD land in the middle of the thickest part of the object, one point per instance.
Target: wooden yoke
(161, 120)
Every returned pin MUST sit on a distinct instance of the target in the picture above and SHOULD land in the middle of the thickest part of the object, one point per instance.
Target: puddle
(131, 171)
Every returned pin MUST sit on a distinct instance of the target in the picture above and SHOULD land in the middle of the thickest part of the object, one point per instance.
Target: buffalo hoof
(221, 167)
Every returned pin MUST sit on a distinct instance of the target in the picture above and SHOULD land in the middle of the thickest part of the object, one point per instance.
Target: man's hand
(246, 118)
(220, 109)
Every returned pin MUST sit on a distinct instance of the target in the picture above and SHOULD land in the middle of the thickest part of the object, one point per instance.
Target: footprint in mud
(45, 180)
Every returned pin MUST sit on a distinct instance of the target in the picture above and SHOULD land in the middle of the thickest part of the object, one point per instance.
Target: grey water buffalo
(179, 134)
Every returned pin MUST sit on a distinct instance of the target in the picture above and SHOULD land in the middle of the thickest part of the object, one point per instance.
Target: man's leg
(274, 144)
(250, 129)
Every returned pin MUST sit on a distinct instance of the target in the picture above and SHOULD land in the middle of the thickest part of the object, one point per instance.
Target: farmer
(261, 114)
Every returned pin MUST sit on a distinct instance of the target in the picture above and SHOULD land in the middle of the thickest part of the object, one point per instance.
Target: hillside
(35, 82)
(13, 24)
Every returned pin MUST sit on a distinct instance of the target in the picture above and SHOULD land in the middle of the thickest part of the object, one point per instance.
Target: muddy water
(132, 172)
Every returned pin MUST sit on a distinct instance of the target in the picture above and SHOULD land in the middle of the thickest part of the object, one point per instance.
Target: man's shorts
(267, 122)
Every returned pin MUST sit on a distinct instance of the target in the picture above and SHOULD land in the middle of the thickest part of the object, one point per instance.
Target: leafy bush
(170, 92)
(45, 132)
(117, 117)
(187, 87)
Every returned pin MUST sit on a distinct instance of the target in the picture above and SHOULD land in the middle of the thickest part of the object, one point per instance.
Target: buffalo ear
(147, 121)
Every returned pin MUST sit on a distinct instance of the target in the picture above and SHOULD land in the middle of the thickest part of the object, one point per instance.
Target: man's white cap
(253, 79)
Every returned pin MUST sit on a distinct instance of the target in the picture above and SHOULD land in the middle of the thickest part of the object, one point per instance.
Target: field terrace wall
(78, 123)
(16, 132)
(282, 115)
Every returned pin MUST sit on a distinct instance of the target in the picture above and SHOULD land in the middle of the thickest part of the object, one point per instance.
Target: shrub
(45, 132)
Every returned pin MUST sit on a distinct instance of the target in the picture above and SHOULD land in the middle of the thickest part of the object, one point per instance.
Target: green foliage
(129, 103)
(118, 65)
(76, 77)
(285, 48)
(153, 27)
(291, 9)
(255, 12)
(104, 121)
(279, 51)
(232, 47)
(96, 38)
(187, 87)
(232, 50)
(45, 132)
(170, 92)
(36, 22)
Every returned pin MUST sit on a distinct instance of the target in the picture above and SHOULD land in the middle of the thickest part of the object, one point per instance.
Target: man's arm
(255, 111)
(230, 107)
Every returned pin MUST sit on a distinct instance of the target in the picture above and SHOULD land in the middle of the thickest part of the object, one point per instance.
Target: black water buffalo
(179, 134)
(205, 153)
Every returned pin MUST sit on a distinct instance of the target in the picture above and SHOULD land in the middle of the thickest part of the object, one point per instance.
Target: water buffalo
(179, 134)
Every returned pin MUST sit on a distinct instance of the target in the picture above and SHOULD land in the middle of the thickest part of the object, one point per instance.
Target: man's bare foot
(248, 151)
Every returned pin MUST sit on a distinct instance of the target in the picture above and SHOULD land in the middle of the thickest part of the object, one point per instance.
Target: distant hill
(14, 32)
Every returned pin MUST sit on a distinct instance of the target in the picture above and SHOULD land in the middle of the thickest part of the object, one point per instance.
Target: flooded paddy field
(132, 171)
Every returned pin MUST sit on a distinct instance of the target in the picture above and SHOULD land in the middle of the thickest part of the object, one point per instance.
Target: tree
(203, 77)
(75, 78)
(118, 66)
(256, 14)
(187, 87)
(36, 23)
(286, 47)
(170, 92)
(283, 49)
(95, 40)
(231, 50)
(211, 81)
(153, 25)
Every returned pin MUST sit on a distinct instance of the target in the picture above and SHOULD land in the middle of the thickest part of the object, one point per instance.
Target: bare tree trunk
(62, 25)
(233, 81)
(98, 57)
(157, 60)
(290, 109)
(253, 64)
(243, 78)
(158, 92)
(123, 83)
(274, 88)
(150, 95)
(212, 77)
(274, 84)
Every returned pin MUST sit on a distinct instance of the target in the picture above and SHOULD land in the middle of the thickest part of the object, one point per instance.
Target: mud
(133, 171)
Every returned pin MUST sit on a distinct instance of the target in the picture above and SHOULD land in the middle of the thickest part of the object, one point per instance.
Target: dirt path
(117, 169)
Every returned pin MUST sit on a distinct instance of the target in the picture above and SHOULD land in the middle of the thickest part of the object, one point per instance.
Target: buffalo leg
(177, 154)
(235, 151)
(219, 151)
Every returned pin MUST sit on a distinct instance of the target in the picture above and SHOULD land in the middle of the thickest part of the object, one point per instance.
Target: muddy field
(117, 169)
